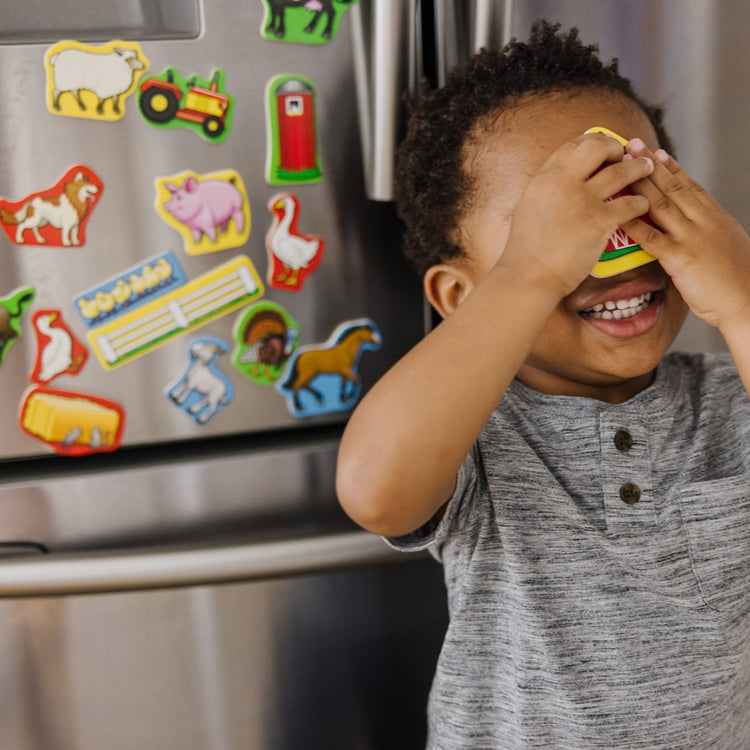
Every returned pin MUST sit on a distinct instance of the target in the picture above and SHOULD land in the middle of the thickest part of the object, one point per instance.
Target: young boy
(588, 496)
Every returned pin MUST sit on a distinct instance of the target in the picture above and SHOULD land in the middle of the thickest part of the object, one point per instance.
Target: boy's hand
(564, 218)
(704, 249)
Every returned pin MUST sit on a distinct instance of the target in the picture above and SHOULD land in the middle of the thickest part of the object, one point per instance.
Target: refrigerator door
(228, 602)
(360, 275)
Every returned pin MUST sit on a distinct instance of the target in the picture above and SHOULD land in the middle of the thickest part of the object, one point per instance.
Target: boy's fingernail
(661, 155)
(628, 157)
(649, 161)
(637, 144)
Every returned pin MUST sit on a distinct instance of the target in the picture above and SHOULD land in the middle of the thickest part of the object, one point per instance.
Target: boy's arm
(406, 440)
(702, 247)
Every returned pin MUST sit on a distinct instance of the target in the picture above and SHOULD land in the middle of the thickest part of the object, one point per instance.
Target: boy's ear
(446, 286)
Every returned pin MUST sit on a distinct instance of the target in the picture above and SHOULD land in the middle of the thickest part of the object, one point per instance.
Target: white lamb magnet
(203, 389)
(92, 81)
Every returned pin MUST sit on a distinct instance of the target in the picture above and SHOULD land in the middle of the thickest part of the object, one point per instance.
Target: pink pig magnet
(210, 211)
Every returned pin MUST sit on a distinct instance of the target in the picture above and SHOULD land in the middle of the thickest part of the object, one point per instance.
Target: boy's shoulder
(704, 369)
(707, 384)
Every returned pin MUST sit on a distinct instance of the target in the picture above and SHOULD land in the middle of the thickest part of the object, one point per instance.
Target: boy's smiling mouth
(628, 308)
(620, 309)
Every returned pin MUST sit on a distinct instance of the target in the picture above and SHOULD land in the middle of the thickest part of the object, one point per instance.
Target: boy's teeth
(620, 309)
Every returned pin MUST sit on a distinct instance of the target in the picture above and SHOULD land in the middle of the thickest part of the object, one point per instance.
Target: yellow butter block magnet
(622, 253)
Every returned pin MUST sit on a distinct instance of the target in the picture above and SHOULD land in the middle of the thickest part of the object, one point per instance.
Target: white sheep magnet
(92, 81)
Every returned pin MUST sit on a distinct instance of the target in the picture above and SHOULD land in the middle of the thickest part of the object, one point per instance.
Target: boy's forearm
(737, 336)
(406, 440)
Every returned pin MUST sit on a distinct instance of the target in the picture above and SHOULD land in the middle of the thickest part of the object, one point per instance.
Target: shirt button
(630, 493)
(623, 441)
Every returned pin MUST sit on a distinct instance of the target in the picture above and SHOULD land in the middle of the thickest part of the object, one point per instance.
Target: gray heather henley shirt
(597, 564)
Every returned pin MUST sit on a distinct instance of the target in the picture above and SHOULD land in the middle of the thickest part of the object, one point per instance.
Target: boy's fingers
(668, 205)
(586, 153)
(671, 164)
(675, 184)
(626, 208)
(614, 177)
(647, 236)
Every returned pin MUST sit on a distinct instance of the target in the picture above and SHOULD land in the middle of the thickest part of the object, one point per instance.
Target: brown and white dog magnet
(57, 216)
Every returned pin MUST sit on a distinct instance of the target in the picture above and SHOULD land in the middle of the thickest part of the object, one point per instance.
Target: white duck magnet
(59, 352)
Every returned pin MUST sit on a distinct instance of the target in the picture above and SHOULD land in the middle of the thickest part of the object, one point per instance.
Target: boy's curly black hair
(432, 186)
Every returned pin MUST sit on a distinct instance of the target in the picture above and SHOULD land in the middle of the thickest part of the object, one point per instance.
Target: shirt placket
(626, 473)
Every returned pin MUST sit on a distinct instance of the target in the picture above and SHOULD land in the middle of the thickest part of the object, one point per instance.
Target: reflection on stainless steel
(197, 565)
(385, 67)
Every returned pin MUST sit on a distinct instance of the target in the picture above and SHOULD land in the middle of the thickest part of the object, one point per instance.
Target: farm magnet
(211, 211)
(72, 423)
(292, 256)
(207, 297)
(324, 378)
(58, 351)
(203, 106)
(292, 154)
(129, 289)
(12, 307)
(56, 216)
(92, 81)
(266, 336)
(203, 389)
(303, 21)
(621, 253)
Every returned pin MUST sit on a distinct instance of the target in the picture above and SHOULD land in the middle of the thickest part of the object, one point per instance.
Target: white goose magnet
(292, 256)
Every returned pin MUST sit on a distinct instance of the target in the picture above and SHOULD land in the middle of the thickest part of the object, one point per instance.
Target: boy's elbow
(371, 506)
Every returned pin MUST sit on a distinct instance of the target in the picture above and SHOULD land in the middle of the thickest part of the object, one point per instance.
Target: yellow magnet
(622, 252)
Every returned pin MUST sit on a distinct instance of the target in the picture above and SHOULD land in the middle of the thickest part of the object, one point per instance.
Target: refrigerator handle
(56, 574)
(386, 47)
(462, 28)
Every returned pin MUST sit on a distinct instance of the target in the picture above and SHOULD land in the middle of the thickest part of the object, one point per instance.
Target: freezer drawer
(336, 661)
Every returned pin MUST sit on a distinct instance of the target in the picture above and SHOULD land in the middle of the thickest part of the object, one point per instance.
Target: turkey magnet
(292, 256)
(56, 216)
(12, 307)
(324, 378)
(203, 389)
(303, 21)
(92, 81)
(169, 100)
(59, 352)
(72, 423)
(210, 211)
(292, 152)
(265, 335)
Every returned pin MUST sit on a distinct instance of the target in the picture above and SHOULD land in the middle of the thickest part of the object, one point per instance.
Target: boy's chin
(612, 380)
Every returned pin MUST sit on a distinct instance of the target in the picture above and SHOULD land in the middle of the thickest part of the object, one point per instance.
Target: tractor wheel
(158, 105)
(213, 127)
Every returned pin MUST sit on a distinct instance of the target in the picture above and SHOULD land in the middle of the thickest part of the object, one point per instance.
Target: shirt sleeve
(429, 536)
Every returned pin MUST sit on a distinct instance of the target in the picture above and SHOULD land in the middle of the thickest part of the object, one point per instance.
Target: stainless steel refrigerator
(187, 252)
(175, 569)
